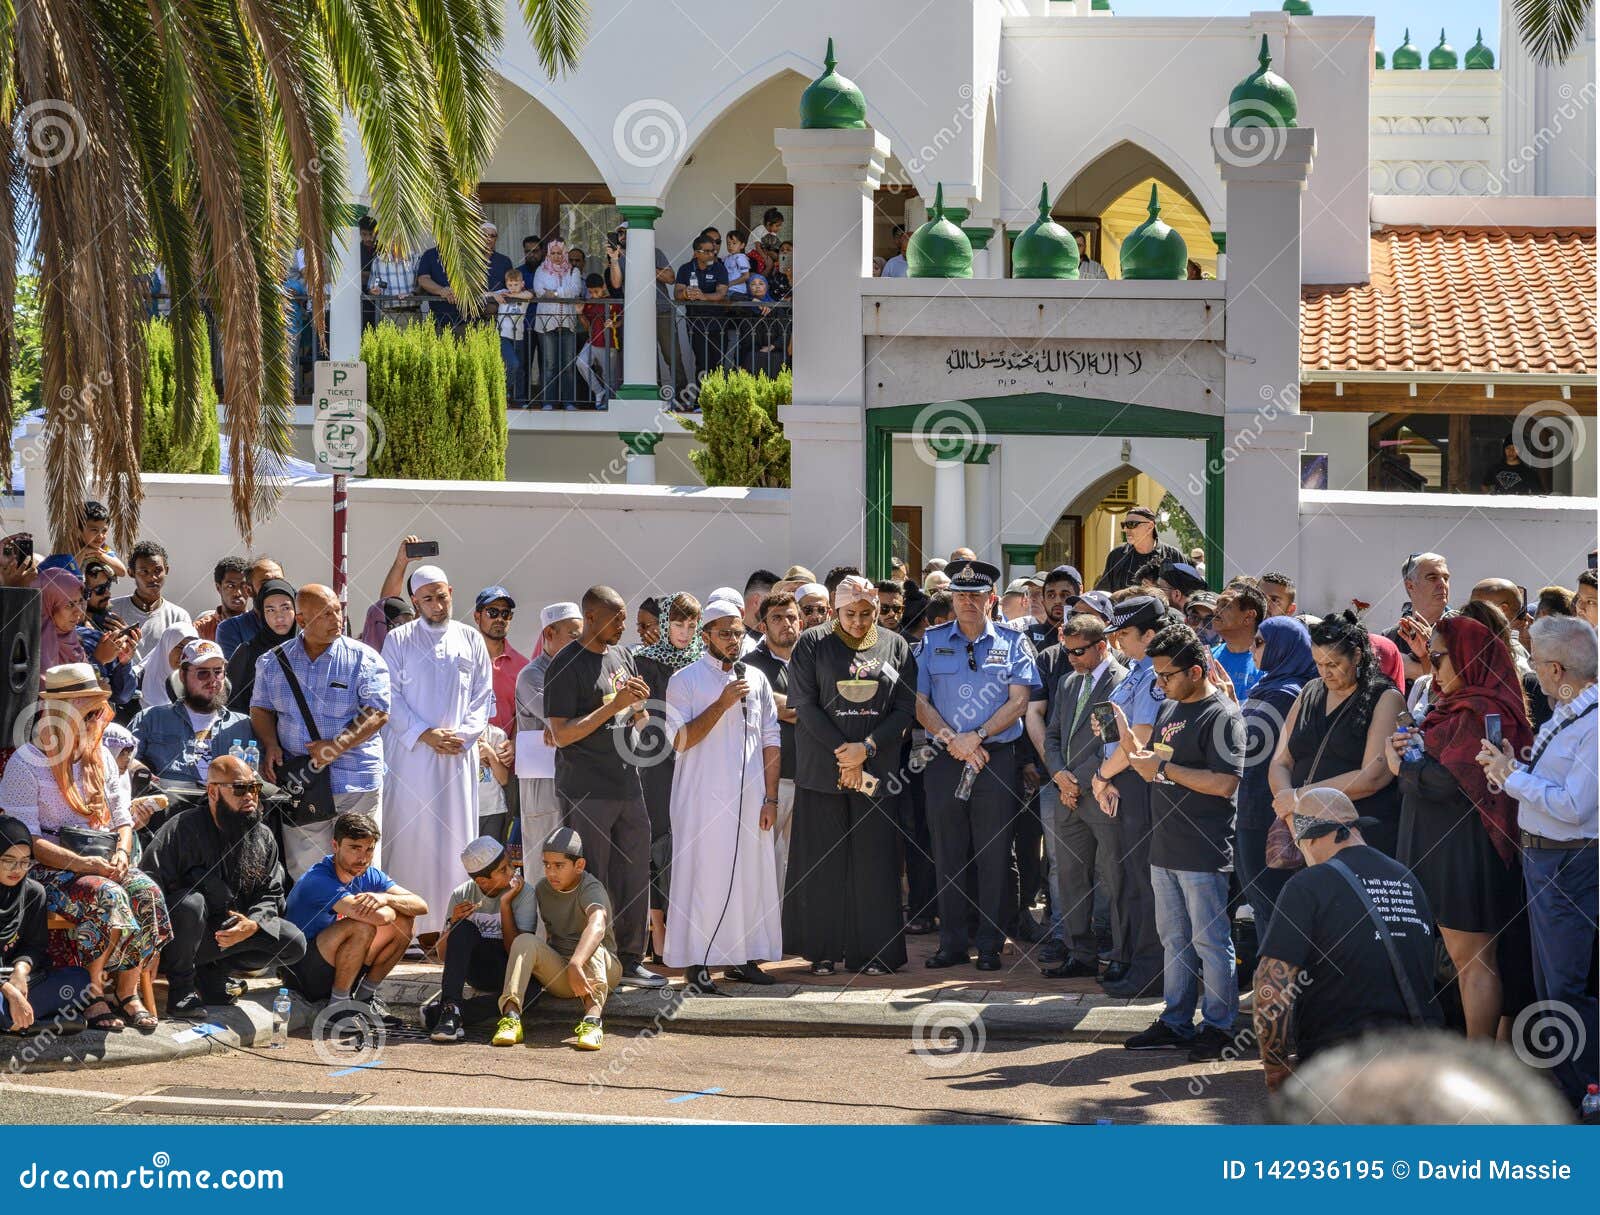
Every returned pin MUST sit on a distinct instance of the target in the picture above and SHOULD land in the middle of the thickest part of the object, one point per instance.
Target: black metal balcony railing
(582, 350)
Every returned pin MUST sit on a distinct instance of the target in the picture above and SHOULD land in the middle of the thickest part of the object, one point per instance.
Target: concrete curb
(792, 1009)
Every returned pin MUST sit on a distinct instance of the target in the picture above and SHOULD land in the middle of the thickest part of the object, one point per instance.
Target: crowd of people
(1163, 789)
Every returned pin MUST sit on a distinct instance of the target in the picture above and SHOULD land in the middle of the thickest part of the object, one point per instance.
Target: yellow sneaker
(589, 1035)
(508, 1032)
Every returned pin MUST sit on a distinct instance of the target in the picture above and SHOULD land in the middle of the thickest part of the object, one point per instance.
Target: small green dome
(1479, 57)
(832, 103)
(1044, 249)
(1297, 8)
(1100, 6)
(1378, 61)
(1443, 58)
(1406, 58)
(1263, 98)
(939, 249)
(1155, 249)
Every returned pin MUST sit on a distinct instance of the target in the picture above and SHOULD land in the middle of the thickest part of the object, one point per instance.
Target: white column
(344, 311)
(639, 308)
(983, 535)
(639, 451)
(1264, 430)
(950, 503)
(834, 174)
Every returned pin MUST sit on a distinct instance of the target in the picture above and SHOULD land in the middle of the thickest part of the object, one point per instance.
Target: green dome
(832, 103)
(1155, 249)
(939, 249)
(1263, 98)
(1100, 6)
(1479, 57)
(1443, 58)
(1406, 58)
(1044, 249)
(1378, 61)
(1297, 8)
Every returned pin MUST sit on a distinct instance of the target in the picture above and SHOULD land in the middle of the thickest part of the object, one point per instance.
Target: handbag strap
(1327, 733)
(1407, 992)
(299, 696)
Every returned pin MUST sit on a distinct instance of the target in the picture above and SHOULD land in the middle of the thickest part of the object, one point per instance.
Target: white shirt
(1558, 798)
(552, 315)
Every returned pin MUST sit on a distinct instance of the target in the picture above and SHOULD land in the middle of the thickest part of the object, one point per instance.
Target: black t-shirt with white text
(1321, 928)
(577, 683)
(1194, 831)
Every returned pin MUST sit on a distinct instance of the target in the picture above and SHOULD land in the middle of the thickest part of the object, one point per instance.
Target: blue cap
(1184, 576)
(1097, 602)
(1064, 571)
(61, 561)
(490, 593)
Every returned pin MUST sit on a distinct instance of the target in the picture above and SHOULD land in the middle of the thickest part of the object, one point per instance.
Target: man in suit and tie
(1085, 838)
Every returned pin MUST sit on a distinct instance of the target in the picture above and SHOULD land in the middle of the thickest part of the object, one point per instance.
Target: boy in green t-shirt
(579, 960)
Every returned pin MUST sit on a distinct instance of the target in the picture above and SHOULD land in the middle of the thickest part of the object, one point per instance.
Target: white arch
(1204, 187)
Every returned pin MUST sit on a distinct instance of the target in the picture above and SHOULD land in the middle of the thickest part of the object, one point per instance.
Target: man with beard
(592, 693)
(853, 688)
(780, 625)
(217, 865)
(492, 613)
(442, 690)
(177, 741)
(725, 906)
(1124, 562)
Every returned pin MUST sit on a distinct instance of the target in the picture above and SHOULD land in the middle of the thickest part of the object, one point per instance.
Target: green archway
(1035, 413)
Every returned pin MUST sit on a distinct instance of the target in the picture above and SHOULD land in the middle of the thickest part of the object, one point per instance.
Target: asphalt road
(682, 1077)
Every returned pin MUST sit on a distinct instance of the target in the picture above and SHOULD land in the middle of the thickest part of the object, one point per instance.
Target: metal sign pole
(341, 531)
(339, 436)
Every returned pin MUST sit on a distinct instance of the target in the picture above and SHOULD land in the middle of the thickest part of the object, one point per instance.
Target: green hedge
(441, 401)
(159, 448)
(738, 424)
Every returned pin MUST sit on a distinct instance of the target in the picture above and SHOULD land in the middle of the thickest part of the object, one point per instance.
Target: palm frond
(1551, 28)
(557, 29)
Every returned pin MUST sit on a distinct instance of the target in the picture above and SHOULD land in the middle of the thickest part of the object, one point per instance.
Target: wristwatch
(872, 748)
(1161, 769)
(982, 733)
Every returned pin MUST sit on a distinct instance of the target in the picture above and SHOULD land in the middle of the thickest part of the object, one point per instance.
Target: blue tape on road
(358, 1067)
(705, 1092)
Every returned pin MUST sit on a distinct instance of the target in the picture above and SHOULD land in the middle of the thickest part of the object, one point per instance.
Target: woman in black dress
(853, 688)
(30, 990)
(1460, 836)
(1337, 731)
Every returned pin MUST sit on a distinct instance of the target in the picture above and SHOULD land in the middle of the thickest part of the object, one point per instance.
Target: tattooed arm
(1274, 1009)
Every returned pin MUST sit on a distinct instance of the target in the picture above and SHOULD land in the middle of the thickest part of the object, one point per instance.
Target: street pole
(341, 532)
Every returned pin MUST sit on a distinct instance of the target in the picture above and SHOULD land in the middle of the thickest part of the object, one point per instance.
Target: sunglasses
(1080, 651)
(241, 788)
(1128, 527)
(209, 676)
(494, 613)
(1436, 659)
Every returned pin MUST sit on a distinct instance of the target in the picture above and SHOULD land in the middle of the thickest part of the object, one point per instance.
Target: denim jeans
(1197, 948)
(516, 377)
(558, 377)
(1561, 888)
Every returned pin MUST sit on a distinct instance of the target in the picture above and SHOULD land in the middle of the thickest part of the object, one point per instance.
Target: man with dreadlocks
(217, 865)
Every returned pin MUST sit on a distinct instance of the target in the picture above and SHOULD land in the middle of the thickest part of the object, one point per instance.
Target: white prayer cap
(719, 609)
(482, 854)
(558, 612)
(729, 594)
(811, 588)
(424, 575)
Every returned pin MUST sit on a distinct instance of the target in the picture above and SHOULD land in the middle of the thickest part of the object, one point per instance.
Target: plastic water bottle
(252, 755)
(237, 750)
(1591, 1102)
(1413, 752)
(280, 1019)
(969, 777)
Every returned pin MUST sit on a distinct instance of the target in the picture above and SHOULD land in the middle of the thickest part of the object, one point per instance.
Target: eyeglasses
(1435, 658)
(494, 613)
(1200, 615)
(1163, 676)
(1080, 651)
(15, 864)
(241, 788)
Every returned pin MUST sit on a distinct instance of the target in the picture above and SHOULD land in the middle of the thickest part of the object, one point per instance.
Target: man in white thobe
(442, 689)
(725, 905)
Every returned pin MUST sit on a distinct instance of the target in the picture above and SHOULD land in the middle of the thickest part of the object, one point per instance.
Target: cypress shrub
(160, 450)
(738, 425)
(440, 400)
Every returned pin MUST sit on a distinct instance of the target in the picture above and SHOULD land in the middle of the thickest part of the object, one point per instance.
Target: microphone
(738, 673)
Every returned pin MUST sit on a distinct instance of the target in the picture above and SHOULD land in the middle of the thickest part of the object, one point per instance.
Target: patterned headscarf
(663, 651)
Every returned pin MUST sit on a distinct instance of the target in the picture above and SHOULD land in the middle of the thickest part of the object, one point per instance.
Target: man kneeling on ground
(218, 867)
(489, 913)
(580, 960)
(356, 920)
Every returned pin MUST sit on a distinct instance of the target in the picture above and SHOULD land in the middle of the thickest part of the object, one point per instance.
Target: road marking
(555, 1117)
(358, 1067)
(705, 1092)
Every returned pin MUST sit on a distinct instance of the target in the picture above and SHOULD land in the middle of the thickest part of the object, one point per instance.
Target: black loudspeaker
(20, 622)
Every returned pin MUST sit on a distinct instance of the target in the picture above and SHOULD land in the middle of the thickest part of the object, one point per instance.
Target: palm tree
(1551, 28)
(206, 136)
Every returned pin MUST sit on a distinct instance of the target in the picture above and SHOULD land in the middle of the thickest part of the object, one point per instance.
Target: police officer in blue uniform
(973, 683)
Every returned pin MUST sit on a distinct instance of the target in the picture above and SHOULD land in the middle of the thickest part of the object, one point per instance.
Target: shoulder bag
(308, 789)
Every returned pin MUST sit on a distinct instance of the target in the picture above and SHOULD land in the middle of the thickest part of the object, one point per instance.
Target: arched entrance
(1109, 198)
(1090, 526)
(1043, 414)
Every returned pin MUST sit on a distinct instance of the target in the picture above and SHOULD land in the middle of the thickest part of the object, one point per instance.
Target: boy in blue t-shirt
(356, 919)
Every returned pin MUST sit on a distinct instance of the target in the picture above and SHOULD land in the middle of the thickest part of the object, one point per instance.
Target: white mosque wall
(1352, 544)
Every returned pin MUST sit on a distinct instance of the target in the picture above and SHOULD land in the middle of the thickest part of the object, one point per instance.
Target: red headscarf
(1487, 683)
(1388, 656)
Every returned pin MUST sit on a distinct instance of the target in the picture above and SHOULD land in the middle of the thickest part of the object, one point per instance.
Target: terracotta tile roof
(1497, 300)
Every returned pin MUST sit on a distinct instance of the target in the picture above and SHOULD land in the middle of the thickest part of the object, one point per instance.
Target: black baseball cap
(1139, 612)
